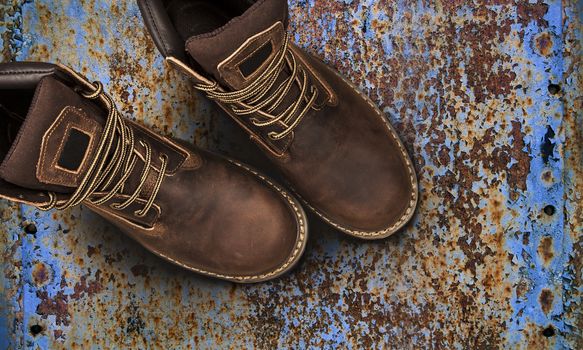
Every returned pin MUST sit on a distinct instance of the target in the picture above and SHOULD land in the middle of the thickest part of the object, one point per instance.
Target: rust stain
(58, 335)
(11, 28)
(547, 177)
(520, 170)
(573, 119)
(535, 339)
(545, 250)
(544, 44)
(56, 306)
(87, 288)
(41, 274)
(528, 12)
(522, 288)
(93, 250)
(546, 299)
(140, 270)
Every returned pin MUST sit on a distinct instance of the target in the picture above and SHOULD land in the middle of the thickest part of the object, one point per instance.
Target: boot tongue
(239, 51)
(56, 141)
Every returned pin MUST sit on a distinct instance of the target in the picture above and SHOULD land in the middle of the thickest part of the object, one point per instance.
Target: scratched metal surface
(467, 85)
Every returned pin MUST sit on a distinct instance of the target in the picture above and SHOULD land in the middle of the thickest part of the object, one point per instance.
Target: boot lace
(107, 165)
(263, 98)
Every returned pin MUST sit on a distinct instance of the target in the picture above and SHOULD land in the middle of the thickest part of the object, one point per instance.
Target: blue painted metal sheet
(487, 97)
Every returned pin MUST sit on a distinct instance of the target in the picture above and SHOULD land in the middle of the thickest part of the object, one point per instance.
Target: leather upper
(209, 214)
(343, 158)
(359, 171)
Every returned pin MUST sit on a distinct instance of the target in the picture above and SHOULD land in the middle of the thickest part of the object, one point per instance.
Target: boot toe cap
(381, 203)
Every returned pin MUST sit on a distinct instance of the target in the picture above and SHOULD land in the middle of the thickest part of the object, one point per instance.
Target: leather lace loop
(115, 157)
(263, 97)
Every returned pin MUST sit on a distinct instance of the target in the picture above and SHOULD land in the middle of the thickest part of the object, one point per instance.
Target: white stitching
(291, 260)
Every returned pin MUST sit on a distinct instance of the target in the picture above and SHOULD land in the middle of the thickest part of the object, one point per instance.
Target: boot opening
(14, 106)
(195, 17)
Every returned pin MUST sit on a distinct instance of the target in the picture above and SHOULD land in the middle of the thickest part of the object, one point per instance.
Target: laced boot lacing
(259, 98)
(107, 165)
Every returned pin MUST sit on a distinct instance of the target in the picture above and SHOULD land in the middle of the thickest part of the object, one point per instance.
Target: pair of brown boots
(63, 143)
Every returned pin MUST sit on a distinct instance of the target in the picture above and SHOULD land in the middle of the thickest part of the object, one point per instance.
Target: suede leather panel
(20, 165)
(177, 156)
(214, 47)
(230, 69)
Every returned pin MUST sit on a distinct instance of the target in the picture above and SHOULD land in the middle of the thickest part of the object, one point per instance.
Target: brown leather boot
(63, 143)
(335, 148)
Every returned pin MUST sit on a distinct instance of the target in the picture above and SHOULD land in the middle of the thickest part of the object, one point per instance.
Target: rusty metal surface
(487, 96)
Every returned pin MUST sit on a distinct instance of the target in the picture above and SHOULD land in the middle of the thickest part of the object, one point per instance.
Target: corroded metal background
(487, 96)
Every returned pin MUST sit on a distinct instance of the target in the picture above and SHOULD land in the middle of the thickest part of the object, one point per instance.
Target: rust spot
(444, 157)
(63, 283)
(30, 229)
(544, 44)
(518, 171)
(545, 250)
(84, 287)
(526, 238)
(58, 334)
(547, 177)
(56, 306)
(41, 274)
(546, 298)
(140, 270)
(134, 323)
(116, 257)
(532, 12)
(496, 210)
(522, 288)
(93, 250)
